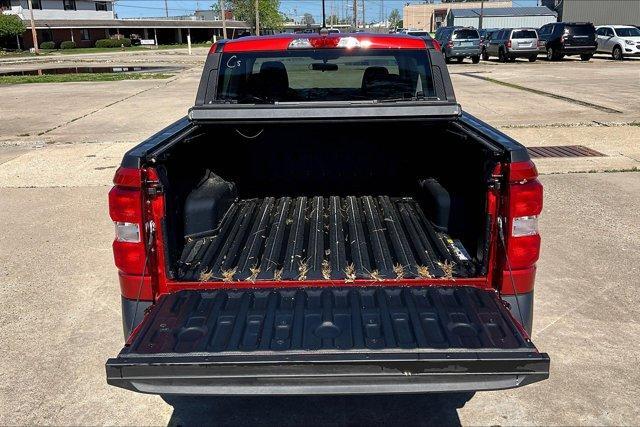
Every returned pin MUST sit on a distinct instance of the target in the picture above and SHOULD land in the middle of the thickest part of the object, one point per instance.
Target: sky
(292, 8)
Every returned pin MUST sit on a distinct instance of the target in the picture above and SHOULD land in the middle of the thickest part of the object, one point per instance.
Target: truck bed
(315, 238)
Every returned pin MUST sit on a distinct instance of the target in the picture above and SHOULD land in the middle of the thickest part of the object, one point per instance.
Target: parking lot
(60, 144)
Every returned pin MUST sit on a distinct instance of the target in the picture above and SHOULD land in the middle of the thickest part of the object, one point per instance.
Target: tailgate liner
(315, 238)
(329, 340)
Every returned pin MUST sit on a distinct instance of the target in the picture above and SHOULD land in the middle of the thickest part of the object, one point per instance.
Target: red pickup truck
(326, 220)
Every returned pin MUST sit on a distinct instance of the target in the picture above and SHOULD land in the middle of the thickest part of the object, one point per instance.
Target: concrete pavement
(61, 316)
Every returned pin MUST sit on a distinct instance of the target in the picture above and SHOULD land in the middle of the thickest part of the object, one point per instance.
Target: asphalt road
(60, 313)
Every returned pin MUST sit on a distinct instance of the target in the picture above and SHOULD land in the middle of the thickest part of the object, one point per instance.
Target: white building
(59, 9)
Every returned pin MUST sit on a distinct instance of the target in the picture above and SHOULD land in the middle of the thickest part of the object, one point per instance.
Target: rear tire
(511, 58)
(552, 55)
(475, 59)
(585, 57)
(459, 60)
(533, 58)
(485, 56)
(501, 56)
(617, 53)
(447, 59)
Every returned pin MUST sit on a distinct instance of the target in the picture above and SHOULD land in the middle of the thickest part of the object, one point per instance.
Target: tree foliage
(307, 19)
(245, 10)
(394, 18)
(11, 26)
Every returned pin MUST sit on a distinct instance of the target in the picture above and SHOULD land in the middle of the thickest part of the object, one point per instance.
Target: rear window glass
(628, 32)
(324, 75)
(465, 34)
(524, 34)
(580, 30)
(418, 33)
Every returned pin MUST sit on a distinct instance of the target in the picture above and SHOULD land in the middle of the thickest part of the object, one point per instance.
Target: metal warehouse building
(502, 17)
(600, 12)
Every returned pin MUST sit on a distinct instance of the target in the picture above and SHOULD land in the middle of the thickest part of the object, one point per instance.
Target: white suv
(618, 40)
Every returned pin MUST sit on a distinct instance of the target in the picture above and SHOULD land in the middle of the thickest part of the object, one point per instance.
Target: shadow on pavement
(411, 409)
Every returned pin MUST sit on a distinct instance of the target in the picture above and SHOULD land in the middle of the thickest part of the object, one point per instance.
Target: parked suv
(511, 43)
(618, 40)
(459, 43)
(568, 38)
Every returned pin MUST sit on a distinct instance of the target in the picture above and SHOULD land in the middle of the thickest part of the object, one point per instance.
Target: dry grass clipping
(326, 270)
(255, 270)
(350, 272)
(277, 274)
(205, 276)
(399, 270)
(303, 269)
(423, 272)
(227, 275)
(447, 268)
(375, 275)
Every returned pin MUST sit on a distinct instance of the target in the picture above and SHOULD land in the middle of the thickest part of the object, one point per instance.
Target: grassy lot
(81, 50)
(81, 77)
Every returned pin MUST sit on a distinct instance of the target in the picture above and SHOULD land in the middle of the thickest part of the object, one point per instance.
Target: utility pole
(324, 17)
(364, 22)
(355, 15)
(257, 18)
(481, 15)
(224, 19)
(166, 9)
(34, 33)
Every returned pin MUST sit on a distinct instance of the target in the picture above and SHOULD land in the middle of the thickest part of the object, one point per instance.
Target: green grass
(81, 77)
(81, 50)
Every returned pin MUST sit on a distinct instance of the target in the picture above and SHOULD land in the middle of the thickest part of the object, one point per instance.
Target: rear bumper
(462, 52)
(578, 50)
(523, 53)
(362, 373)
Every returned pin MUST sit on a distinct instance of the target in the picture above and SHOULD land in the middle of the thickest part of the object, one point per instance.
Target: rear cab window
(465, 34)
(315, 75)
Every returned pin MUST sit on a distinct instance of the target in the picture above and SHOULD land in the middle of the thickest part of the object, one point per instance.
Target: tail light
(325, 42)
(508, 44)
(436, 45)
(522, 239)
(126, 211)
(540, 43)
(449, 44)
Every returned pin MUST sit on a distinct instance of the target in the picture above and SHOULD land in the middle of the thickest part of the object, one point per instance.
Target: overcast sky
(292, 8)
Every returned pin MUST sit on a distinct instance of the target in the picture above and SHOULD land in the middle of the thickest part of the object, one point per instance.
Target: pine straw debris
(303, 269)
(350, 273)
(277, 274)
(326, 270)
(424, 273)
(375, 275)
(205, 276)
(399, 270)
(255, 270)
(447, 268)
(227, 275)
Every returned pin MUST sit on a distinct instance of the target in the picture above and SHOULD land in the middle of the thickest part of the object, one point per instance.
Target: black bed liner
(328, 340)
(315, 238)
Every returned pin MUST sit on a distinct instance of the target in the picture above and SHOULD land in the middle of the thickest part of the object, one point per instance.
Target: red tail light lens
(324, 42)
(436, 45)
(522, 239)
(449, 44)
(508, 44)
(125, 209)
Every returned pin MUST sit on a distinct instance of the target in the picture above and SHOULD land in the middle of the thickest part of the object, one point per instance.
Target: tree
(394, 19)
(10, 27)
(270, 16)
(307, 19)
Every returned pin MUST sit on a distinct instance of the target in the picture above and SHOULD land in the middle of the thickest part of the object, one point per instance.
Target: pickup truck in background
(326, 220)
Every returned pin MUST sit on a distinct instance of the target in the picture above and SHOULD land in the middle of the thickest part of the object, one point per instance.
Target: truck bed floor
(315, 238)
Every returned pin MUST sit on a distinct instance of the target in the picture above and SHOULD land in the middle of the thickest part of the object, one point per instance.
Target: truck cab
(281, 239)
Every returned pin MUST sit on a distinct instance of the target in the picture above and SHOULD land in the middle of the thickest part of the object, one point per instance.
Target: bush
(67, 45)
(114, 43)
(47, 45)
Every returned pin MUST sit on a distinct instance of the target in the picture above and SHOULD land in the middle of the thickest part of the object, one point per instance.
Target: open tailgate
(328, 341)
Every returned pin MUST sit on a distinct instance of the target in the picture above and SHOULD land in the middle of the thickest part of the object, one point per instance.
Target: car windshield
(465, 34)
(324, 75)
(524, 34)
(580, 30)
(628, 32)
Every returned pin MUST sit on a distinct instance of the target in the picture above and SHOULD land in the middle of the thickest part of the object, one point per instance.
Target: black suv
(568, 38)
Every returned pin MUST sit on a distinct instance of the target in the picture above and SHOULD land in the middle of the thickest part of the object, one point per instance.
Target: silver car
(618, 40)
(459, 43)
(511, 43)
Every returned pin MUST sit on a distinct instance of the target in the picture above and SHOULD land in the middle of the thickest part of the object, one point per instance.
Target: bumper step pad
(334, 238)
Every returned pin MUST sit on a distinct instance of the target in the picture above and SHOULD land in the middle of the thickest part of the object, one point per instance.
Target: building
(86, 21)
(502, 17)
(599, 12)
(430, 16)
